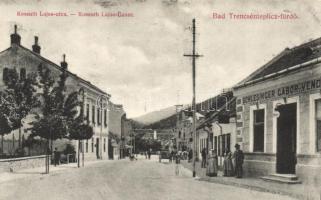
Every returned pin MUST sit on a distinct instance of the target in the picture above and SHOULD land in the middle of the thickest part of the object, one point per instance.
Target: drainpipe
(221, 133)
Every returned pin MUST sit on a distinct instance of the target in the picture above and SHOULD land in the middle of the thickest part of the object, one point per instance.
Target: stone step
(282, 178)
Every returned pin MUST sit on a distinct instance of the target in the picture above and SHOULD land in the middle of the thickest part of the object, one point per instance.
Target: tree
(17, 100)
(78, 129)
(58, 110)
(59, 117)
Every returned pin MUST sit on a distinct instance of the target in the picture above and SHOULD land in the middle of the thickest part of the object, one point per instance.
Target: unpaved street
(122, 180)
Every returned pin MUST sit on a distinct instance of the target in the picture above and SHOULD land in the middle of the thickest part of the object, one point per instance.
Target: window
(93, 114)
(98, 116)
(92, 145)
(318, 123)
(87, 113)
(258, 131)
(179, 134)
(86, 146)
(228, 142)
(5, 74)
(215, 142)
(22, 73)
(219, 145)
(105, 118)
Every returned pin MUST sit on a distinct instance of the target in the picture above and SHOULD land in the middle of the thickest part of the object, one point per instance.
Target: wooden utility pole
(194, 56)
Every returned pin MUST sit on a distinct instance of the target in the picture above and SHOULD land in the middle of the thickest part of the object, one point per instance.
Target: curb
(256, 188)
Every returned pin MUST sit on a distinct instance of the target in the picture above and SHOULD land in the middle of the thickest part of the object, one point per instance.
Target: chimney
(15, 37)
(64, 64)
(36, 48)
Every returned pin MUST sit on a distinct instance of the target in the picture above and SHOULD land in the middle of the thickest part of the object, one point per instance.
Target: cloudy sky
(139, 60)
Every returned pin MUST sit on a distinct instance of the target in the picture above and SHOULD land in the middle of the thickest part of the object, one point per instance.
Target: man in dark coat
(238, 157)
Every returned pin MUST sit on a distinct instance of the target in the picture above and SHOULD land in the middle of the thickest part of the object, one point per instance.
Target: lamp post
(178, 109)
(82, 93)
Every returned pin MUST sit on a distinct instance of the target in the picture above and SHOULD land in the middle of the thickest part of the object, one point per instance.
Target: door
(286, 139)
(97, 148)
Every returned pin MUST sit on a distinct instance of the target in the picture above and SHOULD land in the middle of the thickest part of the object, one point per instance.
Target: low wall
(258, 164)
(14, 164)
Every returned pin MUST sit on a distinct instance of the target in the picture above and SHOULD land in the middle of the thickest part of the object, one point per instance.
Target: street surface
(122, 180)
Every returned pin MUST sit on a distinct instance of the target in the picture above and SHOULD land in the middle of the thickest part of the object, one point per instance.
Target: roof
(285, 62)
(60, 68)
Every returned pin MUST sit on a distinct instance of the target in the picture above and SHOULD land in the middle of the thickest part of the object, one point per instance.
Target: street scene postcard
(160, 99)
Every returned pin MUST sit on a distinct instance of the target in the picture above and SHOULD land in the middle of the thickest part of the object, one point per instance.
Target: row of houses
(274, 114)
(105, 117)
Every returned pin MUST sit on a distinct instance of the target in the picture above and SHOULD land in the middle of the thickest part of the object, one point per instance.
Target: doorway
(286, 139)
(110, 150)
(97, 148)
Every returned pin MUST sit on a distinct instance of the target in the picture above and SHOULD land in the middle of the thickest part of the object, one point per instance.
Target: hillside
(156, 116)
(206, 108)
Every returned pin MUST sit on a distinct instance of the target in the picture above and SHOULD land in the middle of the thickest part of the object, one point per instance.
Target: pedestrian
(56, 157)
(203, 165)
(146, 154)
(190, 155)
(238, 160)
(149, 153)
(228, 168)
(172, 156)
(177, 161)
(212, 164)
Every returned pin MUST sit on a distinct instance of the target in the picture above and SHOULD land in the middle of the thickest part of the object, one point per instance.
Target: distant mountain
(206, 108)
(156, 116)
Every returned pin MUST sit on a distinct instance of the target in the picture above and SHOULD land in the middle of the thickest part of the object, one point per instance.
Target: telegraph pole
(194, 56)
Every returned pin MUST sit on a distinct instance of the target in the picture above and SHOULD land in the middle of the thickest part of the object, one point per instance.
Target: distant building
(126, 131)
(25, 61)
(116, 113)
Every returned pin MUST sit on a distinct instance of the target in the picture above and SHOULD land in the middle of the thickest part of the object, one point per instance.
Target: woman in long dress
(212, 164)
(228, 164)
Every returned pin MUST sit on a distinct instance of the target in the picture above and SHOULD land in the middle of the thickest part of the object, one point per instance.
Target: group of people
(232, 165)
(148, 154)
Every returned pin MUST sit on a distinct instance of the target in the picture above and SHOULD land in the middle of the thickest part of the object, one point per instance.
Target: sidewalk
(299, 191)
(40, 171)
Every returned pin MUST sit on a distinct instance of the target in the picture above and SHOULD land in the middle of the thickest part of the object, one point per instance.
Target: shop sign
(284, 91)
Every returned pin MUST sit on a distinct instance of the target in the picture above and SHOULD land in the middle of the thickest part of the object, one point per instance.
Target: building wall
(263, 163)
(230, 129)
(18, 57)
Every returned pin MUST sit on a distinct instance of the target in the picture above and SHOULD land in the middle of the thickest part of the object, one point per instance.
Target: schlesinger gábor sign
(284, 91)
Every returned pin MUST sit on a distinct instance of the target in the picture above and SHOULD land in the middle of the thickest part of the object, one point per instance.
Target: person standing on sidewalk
(203, 158)
(228, 164)
(177, 161)
(190, 155)
(212, 164)
(56, 157)
(239, 158)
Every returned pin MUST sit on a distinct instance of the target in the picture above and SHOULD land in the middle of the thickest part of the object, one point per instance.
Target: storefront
(279, 115)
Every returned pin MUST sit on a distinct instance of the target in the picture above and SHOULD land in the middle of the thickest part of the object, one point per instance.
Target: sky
(139, 60)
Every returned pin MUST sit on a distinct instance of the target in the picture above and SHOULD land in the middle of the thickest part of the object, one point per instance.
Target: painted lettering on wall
(284, 91)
